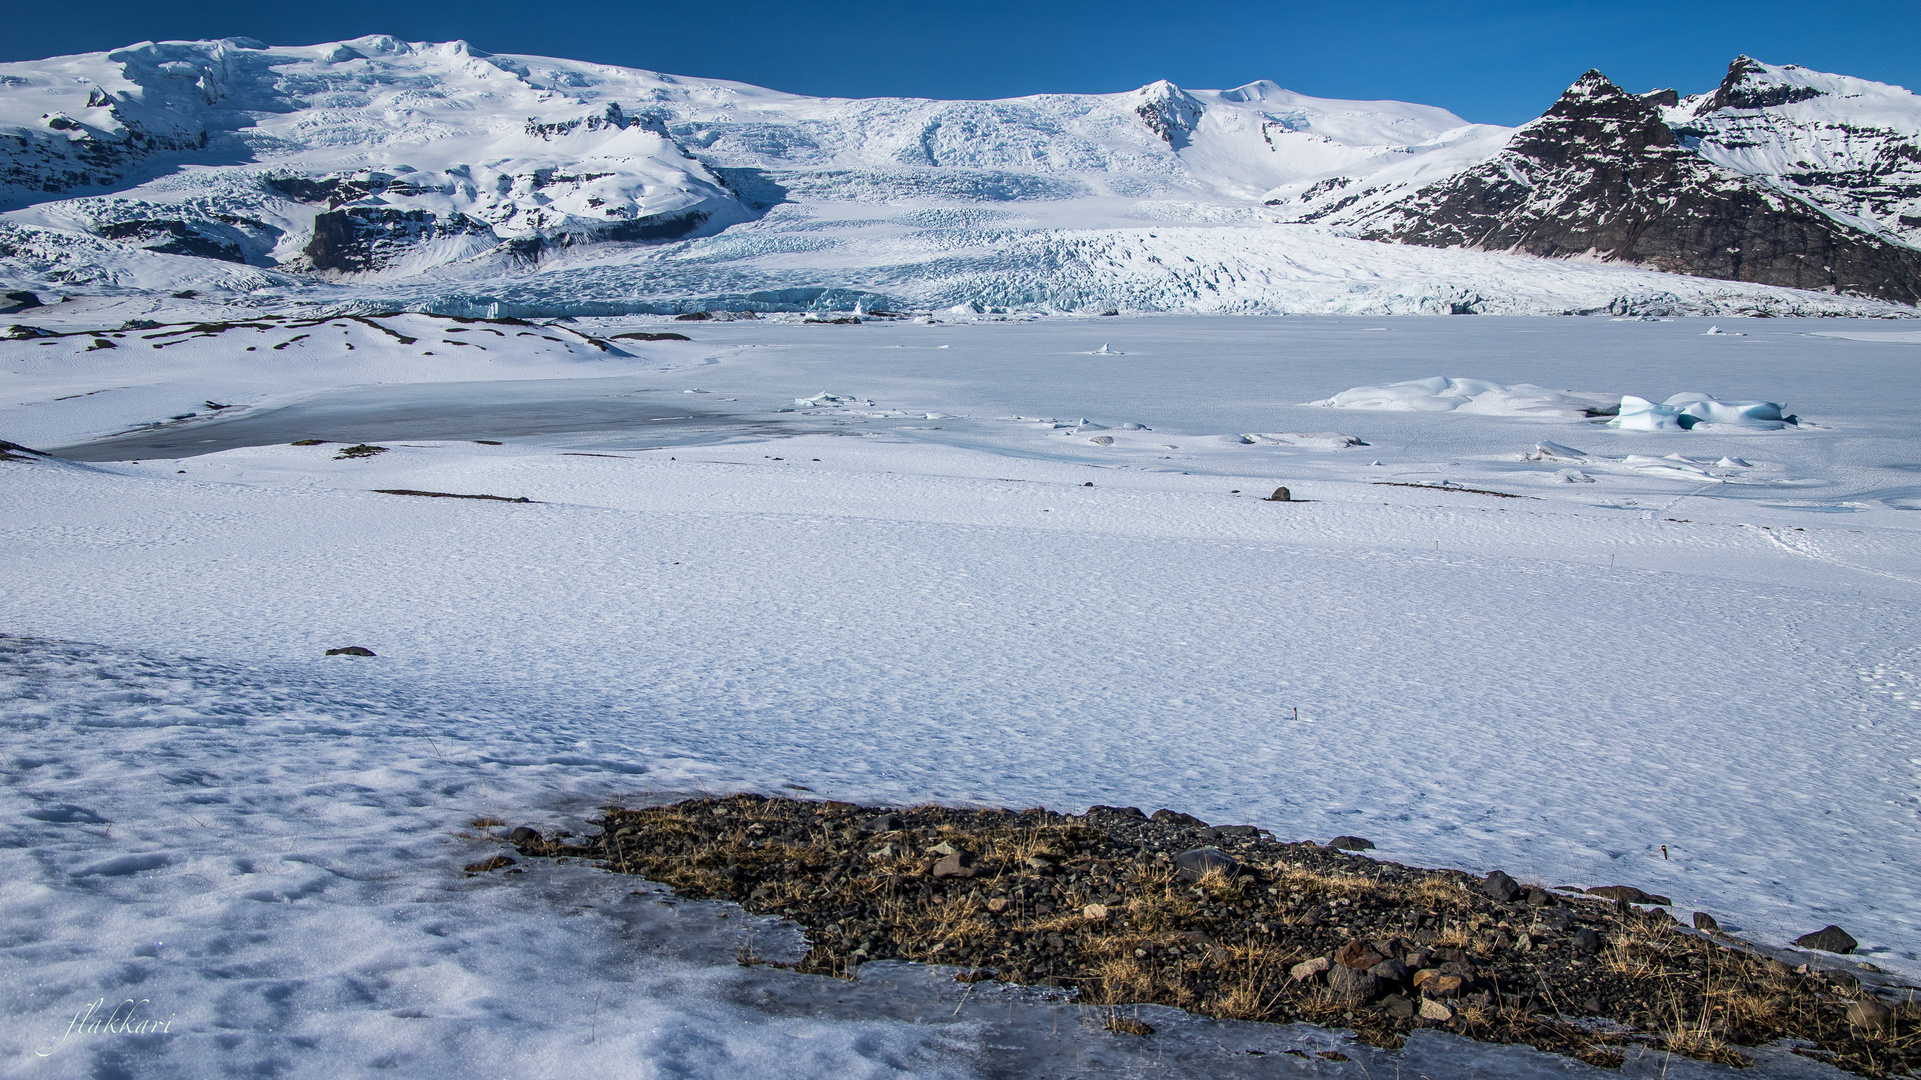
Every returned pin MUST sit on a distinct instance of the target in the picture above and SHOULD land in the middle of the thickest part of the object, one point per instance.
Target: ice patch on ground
(1476, 396)
(1681, 412)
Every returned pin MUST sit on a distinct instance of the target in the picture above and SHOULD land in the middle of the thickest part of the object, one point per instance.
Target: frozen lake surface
(1002, 563)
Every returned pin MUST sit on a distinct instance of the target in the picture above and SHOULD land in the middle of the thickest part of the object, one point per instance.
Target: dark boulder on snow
(1351, 843)
(351, 650)
(1828, 939)
(18, 301)
(1175, 817)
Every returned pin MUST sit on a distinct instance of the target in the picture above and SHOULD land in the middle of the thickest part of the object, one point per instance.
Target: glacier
(378, 175)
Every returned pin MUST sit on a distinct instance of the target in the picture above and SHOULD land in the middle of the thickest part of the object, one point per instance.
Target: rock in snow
(1828, 939)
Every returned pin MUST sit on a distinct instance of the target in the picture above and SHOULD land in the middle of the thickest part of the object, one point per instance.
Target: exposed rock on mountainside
(1169, 112)
(1601, 173)
(1850, 146)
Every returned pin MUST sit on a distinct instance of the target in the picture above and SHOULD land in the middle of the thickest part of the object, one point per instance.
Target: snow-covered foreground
(1687, 660)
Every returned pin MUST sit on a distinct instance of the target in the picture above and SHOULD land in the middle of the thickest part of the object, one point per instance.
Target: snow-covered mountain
(379, 174)
(1849, 146)
(1603, 174)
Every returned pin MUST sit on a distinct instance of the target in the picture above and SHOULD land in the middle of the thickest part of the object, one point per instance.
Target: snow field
(1681, 653)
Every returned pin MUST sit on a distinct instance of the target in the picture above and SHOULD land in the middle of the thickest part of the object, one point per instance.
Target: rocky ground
(1230, 922)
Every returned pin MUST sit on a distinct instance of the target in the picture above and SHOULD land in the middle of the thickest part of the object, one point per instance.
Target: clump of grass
(1128, 1025)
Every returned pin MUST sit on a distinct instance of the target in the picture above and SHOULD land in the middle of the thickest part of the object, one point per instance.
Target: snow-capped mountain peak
(1847, 145)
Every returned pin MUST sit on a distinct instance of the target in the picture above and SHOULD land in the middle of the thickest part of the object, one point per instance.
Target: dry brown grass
(1127, 1025)
(1220, 946)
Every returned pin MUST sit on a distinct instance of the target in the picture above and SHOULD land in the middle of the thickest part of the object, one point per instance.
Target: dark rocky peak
(1601, 175)
(1594, 112)
(1750, 84)
(1667, 98)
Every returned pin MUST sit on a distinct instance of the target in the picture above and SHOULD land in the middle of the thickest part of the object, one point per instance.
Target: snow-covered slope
(1850, 146)
(376, 174)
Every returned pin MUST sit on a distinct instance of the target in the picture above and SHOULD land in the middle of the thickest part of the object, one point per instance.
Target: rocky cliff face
(1602, 174)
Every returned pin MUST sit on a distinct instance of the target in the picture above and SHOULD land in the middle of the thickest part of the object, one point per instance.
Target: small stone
(997, 904)
(1586, 941)
(1705, 922)
(1423, 975)
(1198, 863)
(1175, 817)
(1357, 954)
(496, 863)
(1628, 893)
(1094, 911)
(882, 823)
(1592, 1006)
(1434, 1010)
(1869, 1014)
(351, 650)
(1417, 959)
(943, 848)
(1306, 970)
(1039, 864)
(958, 865)
(1348, 843)
(1398, 1006)
(1538, 897)
(1554, 918)
(523, 835)
(1501, 887)
(1441, 985)
(1828, 939)
(1389, 971)
(1352, 985)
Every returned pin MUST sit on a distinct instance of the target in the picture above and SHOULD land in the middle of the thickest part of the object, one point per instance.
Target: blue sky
(1489, 60)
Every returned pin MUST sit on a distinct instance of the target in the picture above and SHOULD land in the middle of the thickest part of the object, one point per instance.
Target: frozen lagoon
(936, 609)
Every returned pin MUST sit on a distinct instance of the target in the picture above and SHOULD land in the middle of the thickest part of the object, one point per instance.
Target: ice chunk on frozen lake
(1683, 412)
(1442, 394)
(1553, 451)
